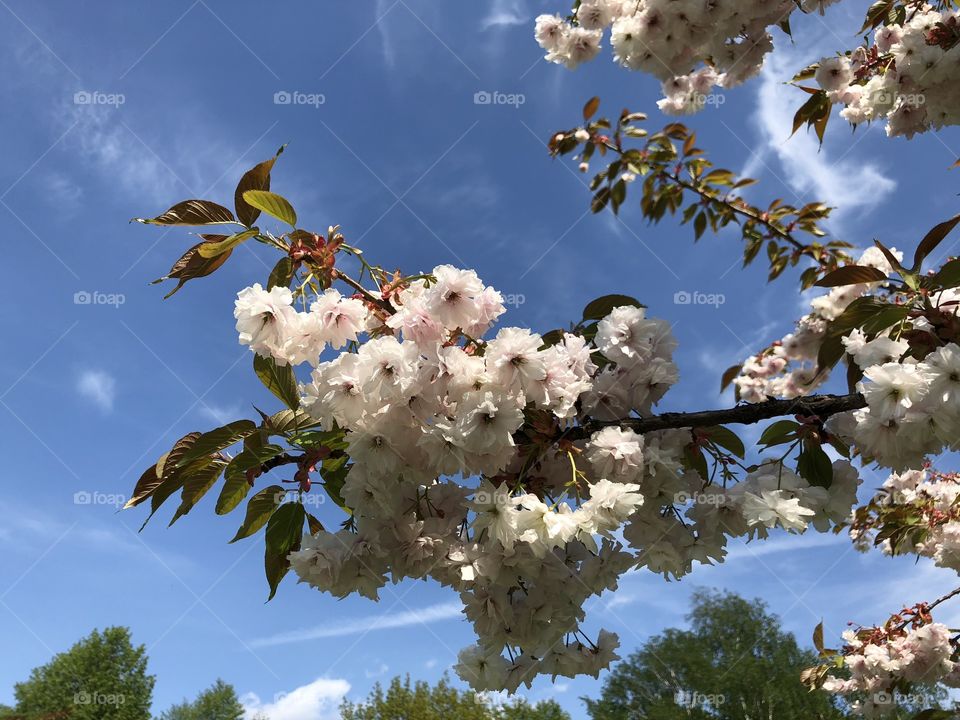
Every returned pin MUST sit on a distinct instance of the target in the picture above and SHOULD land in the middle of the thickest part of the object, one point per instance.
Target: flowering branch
(813, 406)
(671, 165)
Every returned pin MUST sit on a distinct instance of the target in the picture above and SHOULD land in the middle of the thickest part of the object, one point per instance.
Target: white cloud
(101, 140)
(63, 193)
(504, 13)
(847, 182)
(383, 9)
(744, 551)
(221, 413)
(379, 671)
(371, 623)
(99, 387)
(319, 700)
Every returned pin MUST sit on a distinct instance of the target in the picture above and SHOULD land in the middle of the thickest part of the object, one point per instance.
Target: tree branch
(816, 406)
(368, 296)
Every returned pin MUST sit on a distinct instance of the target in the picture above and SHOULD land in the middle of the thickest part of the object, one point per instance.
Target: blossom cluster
(692, 47)
(913, 407)
(930, 498)
(467, 467)
(905, 77)
(880, 660)
(788, 368)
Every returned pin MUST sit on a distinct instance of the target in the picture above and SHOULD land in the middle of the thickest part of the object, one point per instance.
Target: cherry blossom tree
(527, 471)
(902, 74)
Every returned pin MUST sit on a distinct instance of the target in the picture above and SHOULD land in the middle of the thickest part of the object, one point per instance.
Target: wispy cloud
(99, 387)
(63, 193)
(846, 181)
(744, 551)
(221, 413)
(319, 700)
(379, 671)
(504, 13)
(370, 623)
(382, 9)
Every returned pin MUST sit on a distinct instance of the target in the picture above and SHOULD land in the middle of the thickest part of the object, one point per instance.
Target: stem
(818, 406)
(337, 275)
(738, 209)
(734, 207)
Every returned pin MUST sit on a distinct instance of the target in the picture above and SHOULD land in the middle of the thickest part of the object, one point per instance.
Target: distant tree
(218, 702)
(732, 664)
(420, 701)
(102, 677)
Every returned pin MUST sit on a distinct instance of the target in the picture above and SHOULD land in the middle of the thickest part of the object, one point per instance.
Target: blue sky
(399, 154)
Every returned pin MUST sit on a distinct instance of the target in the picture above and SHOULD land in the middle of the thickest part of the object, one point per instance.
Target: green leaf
(284, 534)
(814, 465)
(699, 225)
(285, 527)
(276, 568)
(289, 421)
(278, 379)
(590, 109)
(818, 637)
(932, 239)
(729, 375)
(196, 485)
(145, 486)
(314, 524)
(725, 438)
(949, 275)
(219, 247)
(192, 212)
(192, 265)
(778, 433)
(257, 178)
(831, 352)
(272, 204)
(851, 275)
(171, 474)
(334, 472)
(602, 306)
(282, 273)
(331, 439)
(236, 485)
(216, 440)
(259, 509)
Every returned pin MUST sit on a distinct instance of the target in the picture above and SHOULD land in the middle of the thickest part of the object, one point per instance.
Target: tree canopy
(421, 701)
(102, 677)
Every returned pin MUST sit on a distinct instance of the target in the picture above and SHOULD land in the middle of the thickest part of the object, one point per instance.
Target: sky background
(417, 174)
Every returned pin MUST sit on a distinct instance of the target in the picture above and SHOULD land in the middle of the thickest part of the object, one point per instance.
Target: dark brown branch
(367, 295)
(740, 208)
(814, 406)
(280, 460)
